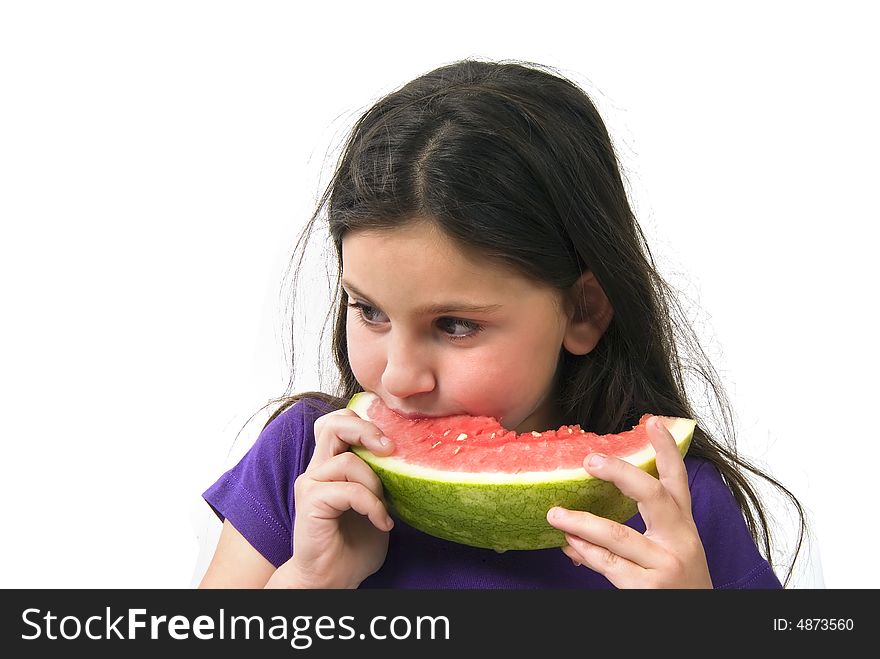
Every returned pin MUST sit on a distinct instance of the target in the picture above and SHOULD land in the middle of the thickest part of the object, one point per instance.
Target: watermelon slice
(470, 480)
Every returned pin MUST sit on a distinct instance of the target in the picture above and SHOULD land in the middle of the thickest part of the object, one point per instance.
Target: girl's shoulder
(731, 552)
(289, 436)
(298, 416)
(701, 471)
(705, 481)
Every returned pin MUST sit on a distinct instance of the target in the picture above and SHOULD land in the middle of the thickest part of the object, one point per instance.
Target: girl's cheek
(361, 356)
(490, 383)
(480, 386)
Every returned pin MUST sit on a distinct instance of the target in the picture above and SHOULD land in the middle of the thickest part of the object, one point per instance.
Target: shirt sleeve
(733, 557)
(256, 495)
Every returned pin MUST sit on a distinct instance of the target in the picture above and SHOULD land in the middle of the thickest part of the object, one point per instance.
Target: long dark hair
(513, 161)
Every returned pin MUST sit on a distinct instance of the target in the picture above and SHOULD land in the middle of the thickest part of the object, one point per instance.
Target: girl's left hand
(669, 554)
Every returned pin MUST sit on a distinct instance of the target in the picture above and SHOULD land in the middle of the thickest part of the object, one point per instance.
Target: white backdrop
(158, 159)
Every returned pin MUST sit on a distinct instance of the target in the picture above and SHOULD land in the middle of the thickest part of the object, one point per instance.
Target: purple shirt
(257, 497)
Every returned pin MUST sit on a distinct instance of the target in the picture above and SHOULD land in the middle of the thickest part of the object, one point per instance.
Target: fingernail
(658, 422)
(555, 513)
(384, 441)
(596, 460)
(576, 564)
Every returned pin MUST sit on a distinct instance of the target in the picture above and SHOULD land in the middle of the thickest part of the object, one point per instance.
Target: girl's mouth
(415, 415)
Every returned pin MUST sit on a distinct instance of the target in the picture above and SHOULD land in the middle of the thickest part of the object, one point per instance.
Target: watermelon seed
(436, 444)
(457, 449)
(461, 437)
(493, 436)
(535, 434)
(447, 432)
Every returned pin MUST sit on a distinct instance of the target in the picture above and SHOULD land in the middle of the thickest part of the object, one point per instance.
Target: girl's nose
(407, 369)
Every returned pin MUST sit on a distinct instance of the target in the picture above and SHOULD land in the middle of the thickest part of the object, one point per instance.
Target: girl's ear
(589, 313)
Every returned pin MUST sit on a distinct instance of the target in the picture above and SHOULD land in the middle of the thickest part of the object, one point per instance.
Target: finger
(573, 554)
(347, 467)
(670, 464)
(618, 570)
(331, 500)
(656, 505)
(337, 431)
(617, 538)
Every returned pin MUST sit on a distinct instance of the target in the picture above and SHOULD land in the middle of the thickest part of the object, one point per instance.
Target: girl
(490, 264)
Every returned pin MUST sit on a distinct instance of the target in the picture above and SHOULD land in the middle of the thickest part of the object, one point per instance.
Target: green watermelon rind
(499, 511)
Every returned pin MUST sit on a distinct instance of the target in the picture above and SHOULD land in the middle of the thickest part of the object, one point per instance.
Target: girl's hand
(340, 535)
(669, 554)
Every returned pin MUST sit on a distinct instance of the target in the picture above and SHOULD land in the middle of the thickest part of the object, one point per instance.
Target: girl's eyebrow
(437, 309)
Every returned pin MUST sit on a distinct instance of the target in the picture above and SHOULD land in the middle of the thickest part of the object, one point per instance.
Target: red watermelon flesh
(481, 444)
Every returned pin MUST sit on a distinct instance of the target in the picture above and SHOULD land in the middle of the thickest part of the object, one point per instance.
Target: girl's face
(434, 332)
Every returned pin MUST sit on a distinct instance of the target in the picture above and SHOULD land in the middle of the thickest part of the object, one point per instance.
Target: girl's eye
(456, 328)
(366, 313)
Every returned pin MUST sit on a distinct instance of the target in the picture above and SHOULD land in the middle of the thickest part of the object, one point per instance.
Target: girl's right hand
(340, 534)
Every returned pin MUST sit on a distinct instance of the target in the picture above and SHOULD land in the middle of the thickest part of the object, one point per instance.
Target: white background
(158, 159)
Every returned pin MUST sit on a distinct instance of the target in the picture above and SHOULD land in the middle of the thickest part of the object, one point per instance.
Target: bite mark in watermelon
(469, 480)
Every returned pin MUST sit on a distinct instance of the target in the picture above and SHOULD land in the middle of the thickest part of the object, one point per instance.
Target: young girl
(490, 264)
